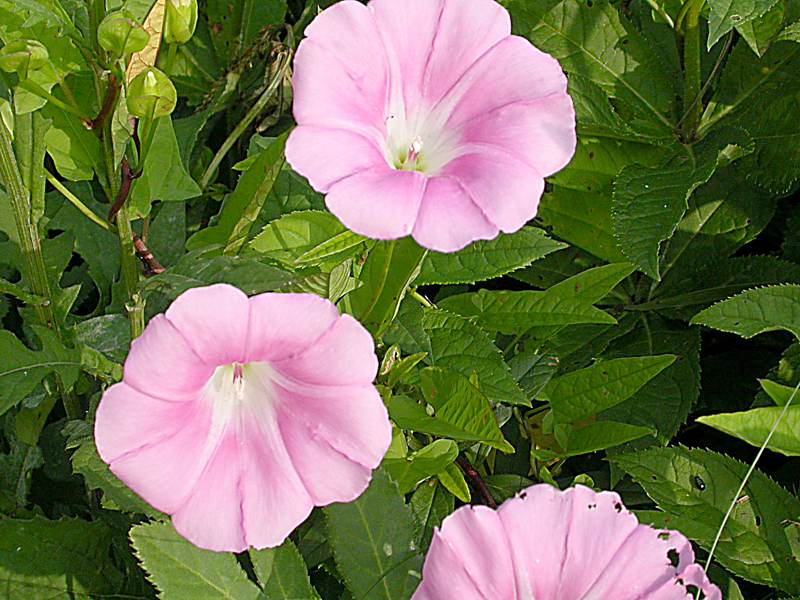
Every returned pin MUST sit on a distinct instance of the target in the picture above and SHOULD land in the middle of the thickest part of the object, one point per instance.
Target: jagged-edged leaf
(293, 234)
(727, 14)
(458, 402)
(180, 569)
(608, 53)
(791, 32)
(388, 271)
(487, 259)
(755, 311)
(510, 312)
(241, 208)
(586, 392)
(417, 466)
(42, 559)
(282, 573)
(377, 556)
(430, 503)
(21, 369)
(695, 488)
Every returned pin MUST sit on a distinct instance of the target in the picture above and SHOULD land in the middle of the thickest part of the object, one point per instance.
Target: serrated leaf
(22, 369)
(388, 271)
(511, 312)
(487, 259)
(458, 402)
(181, 570)
(695, 487)
(586, 392)
(726, 14)
(42, 559)
(376, 556)
(340, 245)
(791, 32)
(282, 573)
(431, 503)
(417, 466)
(241, 208)
(755, 311)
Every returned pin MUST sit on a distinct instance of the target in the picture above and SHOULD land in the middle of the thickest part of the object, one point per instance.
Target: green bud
(180, 21)
(21, 56)
(151, 94)
(120, 34)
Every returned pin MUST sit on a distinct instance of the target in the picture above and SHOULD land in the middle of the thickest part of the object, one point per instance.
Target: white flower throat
(418, 143)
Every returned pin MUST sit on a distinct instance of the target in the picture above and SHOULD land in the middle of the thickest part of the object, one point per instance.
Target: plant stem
(29, 241)
(476, 480)
(251, 115)
(691, 69)
(35, 88)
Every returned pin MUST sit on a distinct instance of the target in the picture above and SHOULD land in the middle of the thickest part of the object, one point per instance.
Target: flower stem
(251, 115)
(691, 69)
(477, 481)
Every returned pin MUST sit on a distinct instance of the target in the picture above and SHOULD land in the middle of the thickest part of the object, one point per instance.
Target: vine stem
(251, 115)
(747, 476)
(477, 481)
(31, 246)
(691, 68)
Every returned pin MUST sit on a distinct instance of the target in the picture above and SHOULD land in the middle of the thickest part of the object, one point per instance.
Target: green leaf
(586, 392)
(754, 425)
(458, 402)
(282, 573)
(376, 555)
(74, 149)
(724, 15)
(164, 176)
(600, 436)
(755, 311)
(198, 269)
(791, 33)
(416, 467)
(109, 334)
(431, 503)
(388, 271)
(452, 478)
(23, 369)
(181, 570)
(760, 33)
(487, 259)
(68, 558)
(294, 234)
(609, 53)
(97, 475)
(510, 312)
(695, 487)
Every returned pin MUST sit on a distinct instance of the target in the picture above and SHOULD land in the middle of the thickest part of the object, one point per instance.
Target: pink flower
(546, 544)
(237, 416)
(427, 117)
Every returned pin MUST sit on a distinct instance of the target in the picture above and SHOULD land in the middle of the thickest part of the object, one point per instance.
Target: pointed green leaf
(282, 573)
(416, 467)
(181, 570)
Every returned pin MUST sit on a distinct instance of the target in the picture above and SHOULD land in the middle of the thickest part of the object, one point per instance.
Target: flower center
(418, 143)
(238, 389)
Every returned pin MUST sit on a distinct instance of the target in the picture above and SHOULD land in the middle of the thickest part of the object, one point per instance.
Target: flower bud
(21, 56)
(180, 21)
(151, 95)
(120, 34)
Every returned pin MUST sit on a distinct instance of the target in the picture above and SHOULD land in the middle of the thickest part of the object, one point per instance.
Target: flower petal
(163, 365)
(284, 325)
(466, 30)
(275, 500)
(126, 420)
(165, 471)
(470, 556)
(378, 203)
(506, 189)
(327, 474)
(448, 219)
(540, 132)
(211, 517)
(351, 419)
(514, 70)
(213, 320)
(326, 155)
(340, 75)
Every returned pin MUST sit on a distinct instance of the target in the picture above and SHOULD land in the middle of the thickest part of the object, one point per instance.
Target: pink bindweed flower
(237, 416)
(545, 544)
(427, 117)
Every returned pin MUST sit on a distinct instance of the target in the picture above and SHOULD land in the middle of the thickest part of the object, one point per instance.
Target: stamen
(238, 380)
(415, 149)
